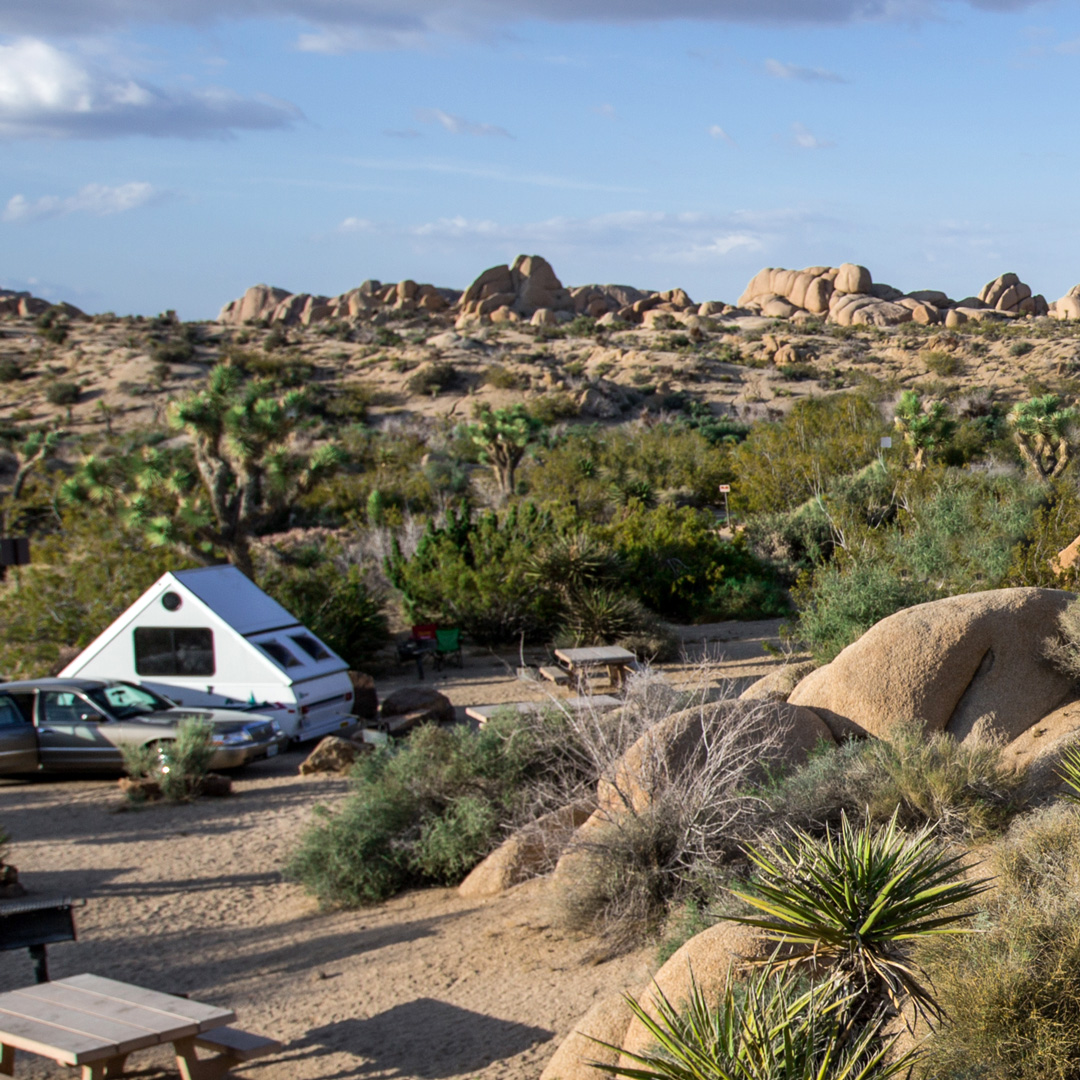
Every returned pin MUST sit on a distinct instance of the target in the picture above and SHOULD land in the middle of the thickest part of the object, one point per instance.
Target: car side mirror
(92, 718)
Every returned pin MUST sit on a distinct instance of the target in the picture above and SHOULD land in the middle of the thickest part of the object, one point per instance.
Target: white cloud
(717, 132)
(458, 125)
(356, 225)
(802, 74)
(607, 111)
(807, 140)
(630, 237)
(344, 25)
(97, 199)
(48, 93)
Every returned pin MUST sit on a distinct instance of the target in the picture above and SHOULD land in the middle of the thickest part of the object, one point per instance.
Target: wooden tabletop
(88, 1018)
(600, 654)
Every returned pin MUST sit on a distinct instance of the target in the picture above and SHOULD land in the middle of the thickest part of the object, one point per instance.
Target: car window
(10, 717)
(123, 700)
(63, 707)
(312, 646)
(24, 702)
(279, 654)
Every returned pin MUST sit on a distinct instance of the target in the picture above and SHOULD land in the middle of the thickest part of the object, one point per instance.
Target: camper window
(311, 646)
(174, 650)
(279, 654)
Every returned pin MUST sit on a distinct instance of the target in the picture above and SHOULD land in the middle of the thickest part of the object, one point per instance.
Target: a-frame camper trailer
(213, 637)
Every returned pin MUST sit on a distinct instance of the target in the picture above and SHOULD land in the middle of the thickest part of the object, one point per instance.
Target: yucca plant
(1069, 771)
(772, 1027)
(853, 901)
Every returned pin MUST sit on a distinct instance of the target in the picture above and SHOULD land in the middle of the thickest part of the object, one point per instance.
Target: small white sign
(886, 442)
(725, 488)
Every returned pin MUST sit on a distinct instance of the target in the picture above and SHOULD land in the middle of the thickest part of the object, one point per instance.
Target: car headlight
(231, 738)
(278, 733)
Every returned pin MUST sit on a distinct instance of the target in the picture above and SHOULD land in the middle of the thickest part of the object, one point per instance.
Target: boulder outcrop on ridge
(24, 305)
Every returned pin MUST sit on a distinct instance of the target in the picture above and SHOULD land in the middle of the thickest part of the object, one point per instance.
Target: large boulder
(1010, 295)
(778, 684)
(412, 705)
(851, 278)
(258, 302)
(529, 852)
(678, 745)
(706, 960)
(605, 1022)
(526, 287)
(333, 755)
(1038, 750)
(958, 664)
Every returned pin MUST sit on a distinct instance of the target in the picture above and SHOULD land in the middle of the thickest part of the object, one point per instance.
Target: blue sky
(169, 153)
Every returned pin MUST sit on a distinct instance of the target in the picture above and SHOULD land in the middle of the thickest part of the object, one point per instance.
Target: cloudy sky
(159, 153)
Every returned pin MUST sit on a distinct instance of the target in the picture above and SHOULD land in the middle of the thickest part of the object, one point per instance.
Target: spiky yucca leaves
(1069, 771)
(924, 428)
(770, 1028)
(502, 437)
(246, 472)
(853, 901)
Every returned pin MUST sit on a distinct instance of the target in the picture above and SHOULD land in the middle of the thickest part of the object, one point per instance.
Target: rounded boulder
(606, 1022)
(960, 664)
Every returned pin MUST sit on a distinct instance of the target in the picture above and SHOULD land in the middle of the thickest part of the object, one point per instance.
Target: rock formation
(1068, 307)
(23, 305)
(961, 664)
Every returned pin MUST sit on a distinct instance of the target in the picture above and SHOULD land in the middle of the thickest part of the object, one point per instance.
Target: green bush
(963, 790)
(502, 378)
(433, 379)
(426, 811)
(52, 325)
(1011, 991)
(185, 760)
(942, 363)
(333, 601)
(10, 369)
(62, 392)
(177, 351)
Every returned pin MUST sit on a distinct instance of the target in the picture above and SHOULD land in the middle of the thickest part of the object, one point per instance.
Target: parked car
(68, 725)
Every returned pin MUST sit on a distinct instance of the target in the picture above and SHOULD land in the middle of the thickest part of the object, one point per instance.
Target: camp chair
(448, 643)
(420, 643)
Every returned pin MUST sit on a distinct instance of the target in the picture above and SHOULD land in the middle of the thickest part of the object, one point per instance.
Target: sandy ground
(190, 899)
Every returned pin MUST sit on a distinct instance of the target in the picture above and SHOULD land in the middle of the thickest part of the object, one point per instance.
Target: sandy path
(190, 899)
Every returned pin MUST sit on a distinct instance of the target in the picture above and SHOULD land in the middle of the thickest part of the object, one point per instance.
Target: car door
(73, 734)
(18, 740)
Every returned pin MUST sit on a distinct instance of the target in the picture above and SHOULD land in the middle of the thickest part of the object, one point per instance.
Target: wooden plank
(181, 1009)
(97, 1022)
(242, 1045)
(126, 1012)
(555, 674)
(607, 654)
(48, 1040)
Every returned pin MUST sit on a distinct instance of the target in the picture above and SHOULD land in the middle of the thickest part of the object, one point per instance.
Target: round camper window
(171, 601)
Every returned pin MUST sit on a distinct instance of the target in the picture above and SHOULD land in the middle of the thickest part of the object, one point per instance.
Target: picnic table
(94, 1023)
(613, 657)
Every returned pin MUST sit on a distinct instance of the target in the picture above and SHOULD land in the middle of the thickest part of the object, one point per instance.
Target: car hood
(223, 719)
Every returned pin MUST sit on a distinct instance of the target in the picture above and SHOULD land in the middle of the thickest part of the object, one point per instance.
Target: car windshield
(123, 700)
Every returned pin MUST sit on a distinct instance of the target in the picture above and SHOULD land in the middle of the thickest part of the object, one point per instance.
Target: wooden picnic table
(94, 1023)
(613, 657)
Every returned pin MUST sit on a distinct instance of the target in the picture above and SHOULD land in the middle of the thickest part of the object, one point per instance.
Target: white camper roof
(235, 598)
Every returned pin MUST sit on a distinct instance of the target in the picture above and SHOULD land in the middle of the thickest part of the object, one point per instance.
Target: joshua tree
(246, 474)
(503, 435)
(1042, 430)
(925, 429)
(30, 449)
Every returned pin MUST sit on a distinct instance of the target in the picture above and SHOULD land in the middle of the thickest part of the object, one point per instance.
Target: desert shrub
(675, 819)
(435, 378)
(551, 408)
(772, 1027)
(425, 812)
(278, 372)
(580, 326)
(1012, 991)
(52, 325)
(1021, 348)
(798, 372)
(673, 560)
(185, 760)
(386, 338)
(502, 378)
(1063, 648)
(62, 392)
(942, 363)
(473, 572)
(10, 369)
(963, 790)
(335, 601)
(657, 644)
(598, 615)
(854, 901)
(177, 351)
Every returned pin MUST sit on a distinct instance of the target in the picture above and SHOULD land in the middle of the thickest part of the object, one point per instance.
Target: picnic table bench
(95, 1023)
(616, 659)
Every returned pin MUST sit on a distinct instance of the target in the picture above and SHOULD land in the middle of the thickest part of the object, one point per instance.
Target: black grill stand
(35, 923)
